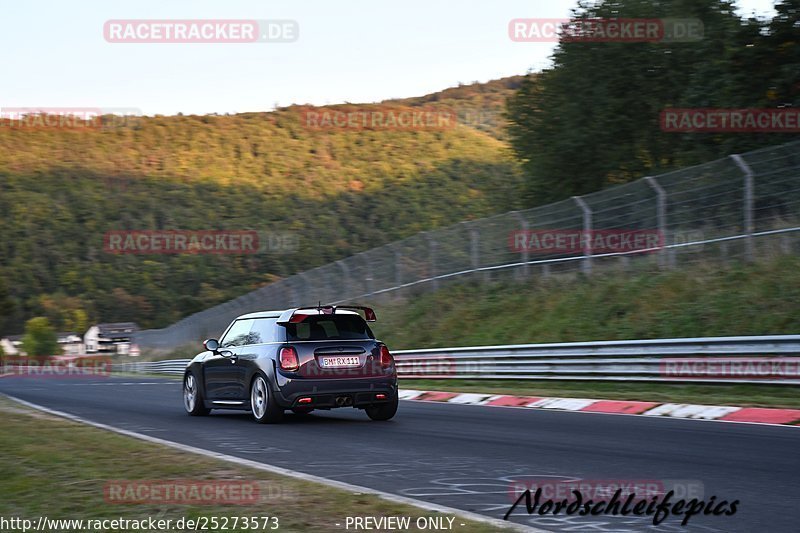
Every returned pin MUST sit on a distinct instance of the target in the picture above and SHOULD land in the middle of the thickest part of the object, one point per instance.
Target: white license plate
(332, 362)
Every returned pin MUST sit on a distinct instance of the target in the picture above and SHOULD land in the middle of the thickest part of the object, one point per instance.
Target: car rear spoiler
(286, 316)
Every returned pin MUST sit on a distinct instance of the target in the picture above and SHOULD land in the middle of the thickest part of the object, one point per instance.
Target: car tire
(383, 411)
(264, 408)
(193, 396)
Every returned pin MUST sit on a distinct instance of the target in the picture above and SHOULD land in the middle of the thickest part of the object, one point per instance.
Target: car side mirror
(212, 345)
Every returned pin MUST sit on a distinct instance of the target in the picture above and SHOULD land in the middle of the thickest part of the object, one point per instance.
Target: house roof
(117, 327)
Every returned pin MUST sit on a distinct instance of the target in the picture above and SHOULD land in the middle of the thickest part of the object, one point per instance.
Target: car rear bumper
(324, 393)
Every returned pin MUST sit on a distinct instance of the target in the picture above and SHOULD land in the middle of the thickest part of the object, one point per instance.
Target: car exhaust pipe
(344, 401)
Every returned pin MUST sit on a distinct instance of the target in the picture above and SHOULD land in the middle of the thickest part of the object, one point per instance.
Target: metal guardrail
(172, 367)
(772, 359)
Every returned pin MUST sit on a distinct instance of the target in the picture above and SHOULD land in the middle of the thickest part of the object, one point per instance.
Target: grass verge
(699, 300)
(58, 468)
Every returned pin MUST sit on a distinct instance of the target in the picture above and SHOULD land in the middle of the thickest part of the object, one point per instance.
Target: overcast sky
(54, 53)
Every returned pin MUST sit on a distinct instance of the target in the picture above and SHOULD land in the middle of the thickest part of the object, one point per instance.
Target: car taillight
(386, 358)
(288, 358)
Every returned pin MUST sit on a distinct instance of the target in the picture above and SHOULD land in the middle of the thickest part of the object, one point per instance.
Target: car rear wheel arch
(263, 405)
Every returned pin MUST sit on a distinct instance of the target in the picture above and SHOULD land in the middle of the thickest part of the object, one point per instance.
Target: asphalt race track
(467, 456)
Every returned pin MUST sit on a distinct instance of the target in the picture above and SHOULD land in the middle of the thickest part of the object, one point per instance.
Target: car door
(224, 374)
(260, 340)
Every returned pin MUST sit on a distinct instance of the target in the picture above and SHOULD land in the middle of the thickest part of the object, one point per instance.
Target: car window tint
(239, 334)
(327, 327)
(263, 330)
(302, 331)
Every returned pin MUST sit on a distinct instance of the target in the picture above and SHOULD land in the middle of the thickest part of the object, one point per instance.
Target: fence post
(368, 271)
(587, 234)
(748, 204)
(345, 283)
(432, 245)
(305, 283)
(661, 216)
(278, 301)
(474, 246)
(294, 294)
(398, 268)
(523, 223)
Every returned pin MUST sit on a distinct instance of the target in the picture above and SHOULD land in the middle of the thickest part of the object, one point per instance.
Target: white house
(112, 338)
(12, 345)
(71, 343)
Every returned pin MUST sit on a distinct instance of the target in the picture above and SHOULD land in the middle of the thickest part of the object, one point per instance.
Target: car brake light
(305, 399)
(380, 396)
(386, 358)
(288, 358)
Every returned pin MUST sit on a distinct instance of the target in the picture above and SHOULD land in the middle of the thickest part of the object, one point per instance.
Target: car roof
(305, 311)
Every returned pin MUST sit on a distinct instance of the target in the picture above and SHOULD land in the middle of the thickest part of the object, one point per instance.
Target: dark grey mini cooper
(298, 359)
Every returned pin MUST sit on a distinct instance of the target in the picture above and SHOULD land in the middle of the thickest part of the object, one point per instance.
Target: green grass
(695, 301)
(57, 468)
(740, 395)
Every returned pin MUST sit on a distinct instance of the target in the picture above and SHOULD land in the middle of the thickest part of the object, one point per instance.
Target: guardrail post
(587, 233)
(661, 217)
(748, 204)
(523, 224)
(432, 245)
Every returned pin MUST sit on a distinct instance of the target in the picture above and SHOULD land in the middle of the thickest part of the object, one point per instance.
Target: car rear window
(328, 327)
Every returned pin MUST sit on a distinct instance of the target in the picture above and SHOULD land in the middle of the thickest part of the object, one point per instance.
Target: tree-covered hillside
(340, 190)
(479, 105)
